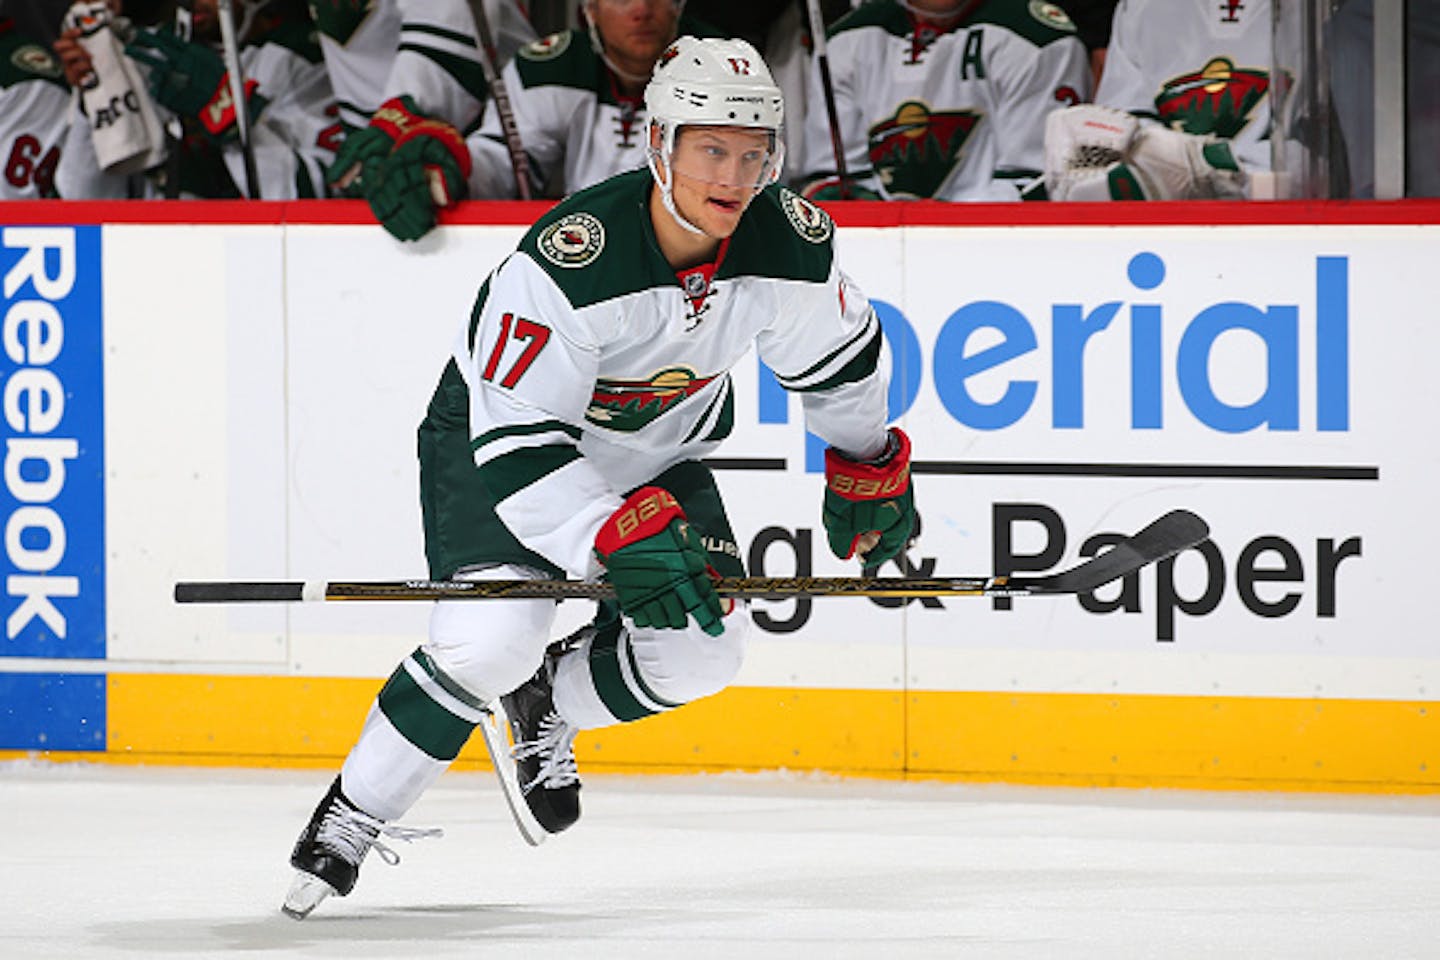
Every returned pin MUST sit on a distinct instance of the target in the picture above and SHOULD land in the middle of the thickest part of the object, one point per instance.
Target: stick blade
(1175, 531)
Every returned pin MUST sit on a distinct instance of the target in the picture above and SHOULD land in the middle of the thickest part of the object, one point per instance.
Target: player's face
(717, 171)
(634, 31)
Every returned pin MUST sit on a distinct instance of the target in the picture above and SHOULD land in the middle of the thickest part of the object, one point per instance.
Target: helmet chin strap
(667, 193)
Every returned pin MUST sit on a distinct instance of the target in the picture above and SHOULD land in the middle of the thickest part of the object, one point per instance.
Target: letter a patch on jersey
(572, 241)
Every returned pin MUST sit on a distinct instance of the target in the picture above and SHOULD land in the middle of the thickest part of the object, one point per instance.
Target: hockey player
(34, 109)
(579, 112)
(287, 95)
(566, 436)
(381, 50)
(942, 99)
(1182, 110)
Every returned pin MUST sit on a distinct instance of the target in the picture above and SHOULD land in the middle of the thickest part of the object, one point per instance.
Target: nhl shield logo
(809, 221)
(572, 241)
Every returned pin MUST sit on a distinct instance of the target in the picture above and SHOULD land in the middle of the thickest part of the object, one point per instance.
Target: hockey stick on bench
(1165, 537)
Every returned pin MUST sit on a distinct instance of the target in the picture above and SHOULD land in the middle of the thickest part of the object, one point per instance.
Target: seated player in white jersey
(34, 115)
(566, 437)
(941, 99)
(579, 117)
(421, 50)
(1182, 112)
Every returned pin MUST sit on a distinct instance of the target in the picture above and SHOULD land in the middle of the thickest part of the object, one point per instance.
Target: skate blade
(306, 892)
(494, 729)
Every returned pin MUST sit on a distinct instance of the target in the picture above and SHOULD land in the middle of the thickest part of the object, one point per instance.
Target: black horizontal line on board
(1202, 471)
(1207, 471)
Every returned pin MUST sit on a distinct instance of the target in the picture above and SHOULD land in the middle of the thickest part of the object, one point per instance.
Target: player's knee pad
(684, 665)
(487, 648)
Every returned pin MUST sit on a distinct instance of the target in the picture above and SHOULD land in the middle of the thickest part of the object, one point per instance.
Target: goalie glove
(658, 564)
(1097, 153)
(427, 170)
(869, 504)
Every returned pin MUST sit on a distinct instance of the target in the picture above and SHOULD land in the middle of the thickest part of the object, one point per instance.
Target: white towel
(124, 125)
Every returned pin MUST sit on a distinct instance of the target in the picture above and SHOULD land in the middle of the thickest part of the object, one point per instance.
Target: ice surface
(111, 862)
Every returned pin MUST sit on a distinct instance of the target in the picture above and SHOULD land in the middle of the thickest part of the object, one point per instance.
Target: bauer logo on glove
(869, 504)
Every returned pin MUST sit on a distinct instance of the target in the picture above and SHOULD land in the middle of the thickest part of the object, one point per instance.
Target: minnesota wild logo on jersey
(1220, 99)
(914, 150)
(630, 405)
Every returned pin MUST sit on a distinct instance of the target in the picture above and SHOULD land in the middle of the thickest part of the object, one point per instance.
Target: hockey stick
(827, 88)
(490, 64)
(230, 43)
(1165, 537)
(175, 129)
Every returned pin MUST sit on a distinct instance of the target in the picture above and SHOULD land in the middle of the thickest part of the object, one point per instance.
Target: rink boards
(236, 398)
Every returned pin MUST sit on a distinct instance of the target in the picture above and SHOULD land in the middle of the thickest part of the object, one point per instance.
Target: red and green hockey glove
(370, 144)
(658, 565)
(426, 170)
(362, 147)
(869, 497)
(190, 79)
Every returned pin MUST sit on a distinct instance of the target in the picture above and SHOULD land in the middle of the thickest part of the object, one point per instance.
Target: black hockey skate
(544, 749)
(331, 847)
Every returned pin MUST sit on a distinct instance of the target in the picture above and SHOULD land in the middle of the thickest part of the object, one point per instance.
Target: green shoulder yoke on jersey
(567, 59)
(23, 58)
(299, 36)
(599, 244)
(782, 236)
(1039, 21)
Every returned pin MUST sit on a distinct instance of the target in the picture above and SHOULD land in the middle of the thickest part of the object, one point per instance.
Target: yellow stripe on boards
(1265, 743)
(1032, 738)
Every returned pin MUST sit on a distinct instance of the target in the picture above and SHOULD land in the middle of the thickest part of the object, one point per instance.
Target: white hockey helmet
(717, 83)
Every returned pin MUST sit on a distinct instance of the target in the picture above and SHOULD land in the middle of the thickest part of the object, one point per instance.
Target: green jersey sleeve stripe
(452, 35)
(859, 367)
(460, 69)
(802, 381)
(512, 472)
(525, 429)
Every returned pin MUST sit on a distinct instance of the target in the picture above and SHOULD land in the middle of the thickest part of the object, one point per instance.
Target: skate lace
(554, 745)
(351, 833)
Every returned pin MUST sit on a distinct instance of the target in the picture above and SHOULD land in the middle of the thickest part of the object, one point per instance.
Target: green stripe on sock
(447, 683)
(421, 720)
(610, 680)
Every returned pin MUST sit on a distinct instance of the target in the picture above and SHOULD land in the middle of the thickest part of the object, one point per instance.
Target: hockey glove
(190, 79)
(1096, 153)
(658, 565)
(869, 497)
(427, 170)
(365, 147)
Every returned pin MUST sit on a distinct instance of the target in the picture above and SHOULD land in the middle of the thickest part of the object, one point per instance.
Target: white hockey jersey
(34, 116)
(1197, 66)
(294, 135)
(952, 114)
(378, 49)
(574, 123)
(591, 370)
(297, 132)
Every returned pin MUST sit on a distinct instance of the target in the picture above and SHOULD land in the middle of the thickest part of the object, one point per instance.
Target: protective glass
(726, 156)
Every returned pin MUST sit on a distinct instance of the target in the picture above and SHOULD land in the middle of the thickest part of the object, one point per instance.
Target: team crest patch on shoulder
(547, 48)
(572, 241)
(33, 58)
(1051, 15)
(809, 221)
